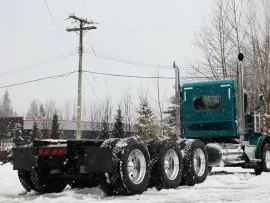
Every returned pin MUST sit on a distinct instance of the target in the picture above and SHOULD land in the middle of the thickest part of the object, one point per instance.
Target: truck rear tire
(130, 168)
(105, 183)
(25, 180)
(264, 166)
(166, 164)
(195, 162)
(266, 158)
(44, 184)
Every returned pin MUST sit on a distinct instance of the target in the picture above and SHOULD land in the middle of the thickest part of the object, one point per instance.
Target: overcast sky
(152, 31)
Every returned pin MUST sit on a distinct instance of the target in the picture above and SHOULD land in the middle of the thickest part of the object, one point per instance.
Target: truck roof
(209, 83)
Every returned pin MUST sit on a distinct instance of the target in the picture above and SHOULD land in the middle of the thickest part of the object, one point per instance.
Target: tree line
(127, 118)
(145, 124)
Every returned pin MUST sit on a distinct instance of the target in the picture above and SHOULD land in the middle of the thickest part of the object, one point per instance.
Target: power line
(64, 6)
(54, 22)
(167, 67)
(56, 58)
(91, 87)
(98, 63)
(92, 72)
(92, 75)
(129, 76)
(40, 79)
(36, 31)
(135, 63)
(130, 62)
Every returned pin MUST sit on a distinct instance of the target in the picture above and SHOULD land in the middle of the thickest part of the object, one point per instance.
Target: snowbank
(225, 185)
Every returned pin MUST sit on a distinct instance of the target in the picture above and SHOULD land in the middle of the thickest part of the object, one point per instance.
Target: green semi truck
(214, 128)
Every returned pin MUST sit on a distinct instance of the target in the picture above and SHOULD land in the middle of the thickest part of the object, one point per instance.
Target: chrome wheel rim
(136, 166)
(171, 164)
(267, 159)
(199, 162)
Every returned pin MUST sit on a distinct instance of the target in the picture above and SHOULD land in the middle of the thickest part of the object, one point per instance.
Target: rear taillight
(54, 152)
(60, 151)
(40, 152)
(46, 152)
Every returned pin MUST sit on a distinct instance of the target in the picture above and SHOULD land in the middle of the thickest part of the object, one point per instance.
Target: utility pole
(80, 30)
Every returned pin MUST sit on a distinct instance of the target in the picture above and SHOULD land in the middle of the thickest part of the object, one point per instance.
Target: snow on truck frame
(218, 131)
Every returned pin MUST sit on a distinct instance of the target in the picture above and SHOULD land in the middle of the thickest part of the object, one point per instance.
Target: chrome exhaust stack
(179, 130)
(240, 107)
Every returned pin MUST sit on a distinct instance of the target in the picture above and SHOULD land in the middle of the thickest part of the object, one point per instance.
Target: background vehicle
(218, 131)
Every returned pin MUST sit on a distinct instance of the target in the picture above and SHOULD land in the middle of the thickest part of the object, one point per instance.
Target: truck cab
(210, 113)
(208, 109)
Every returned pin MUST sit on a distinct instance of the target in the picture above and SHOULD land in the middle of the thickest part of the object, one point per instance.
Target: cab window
(207, 102)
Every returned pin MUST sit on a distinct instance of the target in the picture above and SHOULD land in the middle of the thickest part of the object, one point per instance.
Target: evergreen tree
(118, 126)
(35, 132)
(45, 123)
(170, 119)
(17, 140)
(146, 126)
(6, 105)
(33, 112)
(55, 127)
(17, 135)
(104, 131)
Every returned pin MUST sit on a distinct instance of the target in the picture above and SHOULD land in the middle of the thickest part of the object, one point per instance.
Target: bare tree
(33, 112)
(127, 110)
(258, 49)
(66, 111)
(214, 41)
(160, 101)
(46, 112)
(107, 109)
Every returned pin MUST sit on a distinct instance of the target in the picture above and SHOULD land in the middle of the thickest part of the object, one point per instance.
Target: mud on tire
(195, 162)
(130, 168)
(25, 180)
(166, 164)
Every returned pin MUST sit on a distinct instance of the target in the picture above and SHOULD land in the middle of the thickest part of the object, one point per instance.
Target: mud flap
(98, 159)
(23, 158)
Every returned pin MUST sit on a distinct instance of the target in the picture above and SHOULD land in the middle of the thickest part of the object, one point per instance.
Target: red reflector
(46, 152)
(54, 151)
(40, 152)
(61, 151)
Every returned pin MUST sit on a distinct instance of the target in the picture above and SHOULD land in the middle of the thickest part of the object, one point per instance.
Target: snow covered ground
(234, 185)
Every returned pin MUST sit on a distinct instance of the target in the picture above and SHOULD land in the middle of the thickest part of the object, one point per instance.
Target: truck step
(255, 160)
(235, 162)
